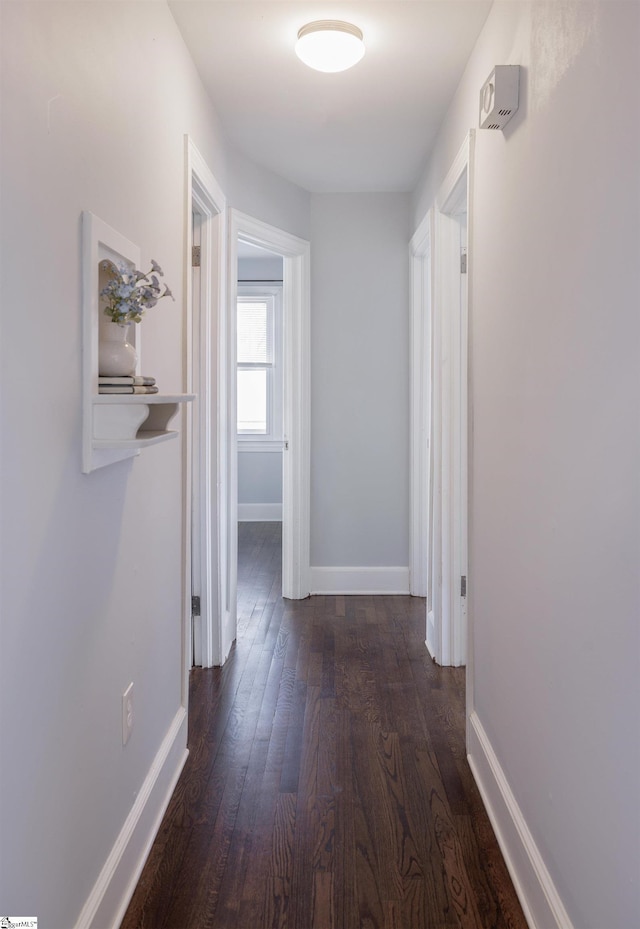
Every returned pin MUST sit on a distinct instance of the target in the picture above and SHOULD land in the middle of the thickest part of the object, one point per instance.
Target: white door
(197, 516)
(448, 575)
(205, 483)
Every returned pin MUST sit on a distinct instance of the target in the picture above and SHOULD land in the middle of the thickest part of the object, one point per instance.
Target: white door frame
(296, 356)
(206, 433)
(450, 422)
(420, 406)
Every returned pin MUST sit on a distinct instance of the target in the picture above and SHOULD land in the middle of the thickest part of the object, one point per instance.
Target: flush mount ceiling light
(329, 45)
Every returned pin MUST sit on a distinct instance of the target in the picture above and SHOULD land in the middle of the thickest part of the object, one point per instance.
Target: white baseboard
(112, 892)
(259, 512)
(538, 896)
(338, 581)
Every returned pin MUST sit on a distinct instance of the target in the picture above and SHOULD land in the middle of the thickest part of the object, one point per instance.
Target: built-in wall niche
(114, 426)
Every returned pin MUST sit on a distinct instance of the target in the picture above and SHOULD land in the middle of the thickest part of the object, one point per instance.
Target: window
(259, 364)
(255, 364)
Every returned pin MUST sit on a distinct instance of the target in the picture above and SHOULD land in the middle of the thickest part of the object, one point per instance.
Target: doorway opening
(245, 234)
(260, 384)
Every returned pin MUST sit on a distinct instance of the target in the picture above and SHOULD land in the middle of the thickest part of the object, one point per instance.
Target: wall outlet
(127, 713)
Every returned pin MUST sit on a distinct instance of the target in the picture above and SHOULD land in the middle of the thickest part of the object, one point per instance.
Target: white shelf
(140, 441)
(134, 420)
(145, 399)
(115, 426)
(123, 424)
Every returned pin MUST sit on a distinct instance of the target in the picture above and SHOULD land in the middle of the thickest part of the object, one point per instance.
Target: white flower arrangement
(130, 292)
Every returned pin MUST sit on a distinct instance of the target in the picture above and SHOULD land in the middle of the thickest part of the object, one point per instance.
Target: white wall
(359, 379)
(554, 546)
(260, 269)
(259, 477)
(254, 190)
(96, 99)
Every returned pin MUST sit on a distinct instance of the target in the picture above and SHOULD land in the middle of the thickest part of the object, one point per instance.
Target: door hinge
(463, 586)
(463, 262)
(195, 606)
(195, 256)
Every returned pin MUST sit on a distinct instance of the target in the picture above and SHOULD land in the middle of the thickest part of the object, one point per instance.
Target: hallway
(327, 785)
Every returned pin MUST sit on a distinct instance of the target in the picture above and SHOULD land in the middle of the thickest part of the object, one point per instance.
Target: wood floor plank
(235, 875)
(327, 785)
(278, 891)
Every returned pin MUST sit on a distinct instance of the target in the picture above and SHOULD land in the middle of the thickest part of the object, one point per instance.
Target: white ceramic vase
(116, 356)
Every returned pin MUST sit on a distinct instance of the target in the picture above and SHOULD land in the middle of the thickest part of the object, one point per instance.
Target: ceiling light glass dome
(329, 45)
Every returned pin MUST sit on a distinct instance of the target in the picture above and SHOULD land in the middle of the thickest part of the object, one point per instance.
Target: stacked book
(136, 384)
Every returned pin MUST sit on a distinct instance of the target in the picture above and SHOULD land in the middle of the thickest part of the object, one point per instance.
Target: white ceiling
(367, 129)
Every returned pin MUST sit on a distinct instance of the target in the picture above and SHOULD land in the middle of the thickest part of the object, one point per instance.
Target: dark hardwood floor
(327, 785)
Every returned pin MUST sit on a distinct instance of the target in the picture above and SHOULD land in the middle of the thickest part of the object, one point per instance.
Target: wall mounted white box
(499, 96)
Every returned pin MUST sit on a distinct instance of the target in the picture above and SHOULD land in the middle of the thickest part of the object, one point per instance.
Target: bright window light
(252, 401)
